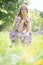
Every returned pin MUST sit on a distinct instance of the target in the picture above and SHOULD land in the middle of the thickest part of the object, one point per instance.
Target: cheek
(25, 11)
(21, 11)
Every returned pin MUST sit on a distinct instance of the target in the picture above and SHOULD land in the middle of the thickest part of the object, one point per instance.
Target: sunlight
(37, 4)
(28, 56)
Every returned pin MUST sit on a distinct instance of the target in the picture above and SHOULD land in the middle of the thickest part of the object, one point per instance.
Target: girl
(22, 27)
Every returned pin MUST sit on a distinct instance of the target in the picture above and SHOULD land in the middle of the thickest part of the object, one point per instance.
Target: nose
(23, 11)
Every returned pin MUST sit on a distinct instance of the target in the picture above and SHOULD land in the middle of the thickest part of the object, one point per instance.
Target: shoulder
(30, 18)
(18, 18)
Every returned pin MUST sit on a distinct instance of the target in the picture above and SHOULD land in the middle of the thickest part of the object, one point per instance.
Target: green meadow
(19, 53)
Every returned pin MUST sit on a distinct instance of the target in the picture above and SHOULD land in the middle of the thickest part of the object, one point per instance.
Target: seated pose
(22, 27)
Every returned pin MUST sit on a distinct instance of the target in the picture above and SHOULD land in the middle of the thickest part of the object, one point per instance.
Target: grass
(20, 54)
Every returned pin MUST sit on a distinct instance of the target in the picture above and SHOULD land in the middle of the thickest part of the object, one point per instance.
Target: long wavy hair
(19, 14)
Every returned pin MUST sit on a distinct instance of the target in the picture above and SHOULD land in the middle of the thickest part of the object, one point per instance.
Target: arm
(17, 23)
(28, 28)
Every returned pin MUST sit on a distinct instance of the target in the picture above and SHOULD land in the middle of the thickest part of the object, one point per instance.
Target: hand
(27, 19)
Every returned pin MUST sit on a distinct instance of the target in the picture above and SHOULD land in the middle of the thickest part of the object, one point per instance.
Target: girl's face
(23, 10)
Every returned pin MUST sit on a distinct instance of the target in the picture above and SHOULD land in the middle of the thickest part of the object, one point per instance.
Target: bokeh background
(20, 54)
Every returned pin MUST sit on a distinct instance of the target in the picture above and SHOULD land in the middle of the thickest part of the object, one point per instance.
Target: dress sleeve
(17, 23)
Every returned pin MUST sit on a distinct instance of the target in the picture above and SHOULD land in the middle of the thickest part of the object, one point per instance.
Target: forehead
(23, 7)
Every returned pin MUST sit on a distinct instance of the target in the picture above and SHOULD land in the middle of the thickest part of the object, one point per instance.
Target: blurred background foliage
(19, 54)
(37, 20)
(9, 10)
